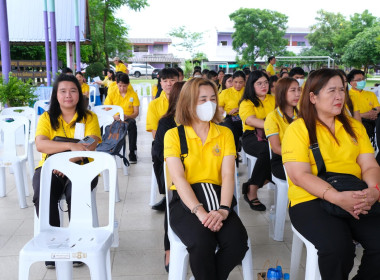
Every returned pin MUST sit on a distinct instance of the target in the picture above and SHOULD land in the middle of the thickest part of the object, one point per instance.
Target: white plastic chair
(153, 189)
(80, 241)
(44, 105)
(137, 89)
(144, 91)
(9, 156)
(312, 268)
(30, 114)
(281, 202)
(179, 256)
(93, 95)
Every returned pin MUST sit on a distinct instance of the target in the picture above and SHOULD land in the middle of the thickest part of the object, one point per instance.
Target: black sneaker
(132, 158)
(50, 265)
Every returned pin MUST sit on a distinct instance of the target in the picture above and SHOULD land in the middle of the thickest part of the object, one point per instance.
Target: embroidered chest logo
(216, 150)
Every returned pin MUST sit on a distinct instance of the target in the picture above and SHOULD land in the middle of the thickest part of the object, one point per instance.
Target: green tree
(189, 41)
(258, 33)
(363, 50)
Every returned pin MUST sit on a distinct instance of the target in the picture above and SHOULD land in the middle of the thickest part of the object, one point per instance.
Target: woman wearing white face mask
(203, 221)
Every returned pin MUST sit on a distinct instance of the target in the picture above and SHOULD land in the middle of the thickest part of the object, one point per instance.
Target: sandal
(255, 204)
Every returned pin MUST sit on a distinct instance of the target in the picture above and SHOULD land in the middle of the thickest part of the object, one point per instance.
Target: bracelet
(377, 187)
(224, 207)
(323, 194)
(195, 209)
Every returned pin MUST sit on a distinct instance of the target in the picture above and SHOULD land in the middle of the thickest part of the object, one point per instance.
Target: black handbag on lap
(341, 182)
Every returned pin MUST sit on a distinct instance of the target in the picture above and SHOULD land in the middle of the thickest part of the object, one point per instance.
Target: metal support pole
(53, 35)
(47, 48)
(77, 38)
(4, 38)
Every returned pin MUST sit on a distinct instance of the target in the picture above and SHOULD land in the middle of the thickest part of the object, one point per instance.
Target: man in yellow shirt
(129, 101)
(271, 66)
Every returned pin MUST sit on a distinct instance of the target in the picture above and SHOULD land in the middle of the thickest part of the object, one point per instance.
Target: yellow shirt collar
(72, 120)
(212, 133)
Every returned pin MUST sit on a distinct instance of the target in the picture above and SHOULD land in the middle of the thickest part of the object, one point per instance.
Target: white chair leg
(98, 269)
(295, 259)
(17, 168)
(31, 160)
(2, 182)
(281, 207)
(95, 219)
(108, 265)
(106, 180)
(178, 264)
(117, 195)
(125, 169)
(64, 270)
(153, 189)
(25, 179)
(312, 267)
(23, 268)
(115, 242)
(247, 263)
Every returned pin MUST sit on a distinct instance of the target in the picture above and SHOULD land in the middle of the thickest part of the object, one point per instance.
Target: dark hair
(55, 109)
(352, 74)
(173, 98)
(211, 74)
(282, 88)
(296, 71)
(225, 78)
(238, 74)
(113, 77)
(347, 98)
(67, 70)
(270, 58)
(283, 73)
(317, 81)
(105, 70)
(272, 80)
(249, 91)
(198, 68)
(205, 72)
(221, 71)
(118, 73)
(197, 71)
(124, 78)
(179, 69)
(284, 70)
(79, 73)
(168, 73)
(246, 71)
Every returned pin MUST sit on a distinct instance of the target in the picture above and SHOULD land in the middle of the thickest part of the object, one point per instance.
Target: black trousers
(259, 149)
(132, 134)
(277, 166)
(57, 190)
(333, 238)
(103, 94)
(201, 242)
(236, 128)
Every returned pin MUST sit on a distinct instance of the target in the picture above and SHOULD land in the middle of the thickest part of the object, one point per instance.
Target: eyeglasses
(260, 84)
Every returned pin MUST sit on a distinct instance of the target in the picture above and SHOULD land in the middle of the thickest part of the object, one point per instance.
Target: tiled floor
(140, 253)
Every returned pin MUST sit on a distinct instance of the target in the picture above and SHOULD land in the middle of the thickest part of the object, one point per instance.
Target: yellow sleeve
(151, 117)
(246, 109)
(92, 126)
(365, 146)
(270, 125)
(136, 101)
(375, 100)
(229, 145)
(43, 126)
(295, 144)
(221, 98)
(109, 98)
(172, 146)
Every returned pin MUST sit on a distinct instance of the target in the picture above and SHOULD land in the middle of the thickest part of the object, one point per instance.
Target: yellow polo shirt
(338, 158)
(366, 100)
(156, 109)
(85, 89)
(127, 102)
(66, 129)
(229, 99)
(106, 82)
(270, 69)
(203, 162)
(121, 68)
(154, 90)
(247, 108)
(114, 88)
(276, 123)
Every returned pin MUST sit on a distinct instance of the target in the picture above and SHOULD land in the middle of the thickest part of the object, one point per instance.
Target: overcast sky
(205, 15)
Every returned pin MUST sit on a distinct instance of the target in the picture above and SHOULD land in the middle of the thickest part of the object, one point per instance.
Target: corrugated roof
(26, 22)
(150, 41)
(157, 58)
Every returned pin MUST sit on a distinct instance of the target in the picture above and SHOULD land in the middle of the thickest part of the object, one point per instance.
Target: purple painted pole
(53, 33)
(47, 47)
(4, 38)
(77, 38)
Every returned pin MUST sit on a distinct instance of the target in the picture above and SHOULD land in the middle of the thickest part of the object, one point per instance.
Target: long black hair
(249, 92)
(55, 109)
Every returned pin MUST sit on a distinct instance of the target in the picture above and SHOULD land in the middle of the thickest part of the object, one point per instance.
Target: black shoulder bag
(208, 194)
(341, 182)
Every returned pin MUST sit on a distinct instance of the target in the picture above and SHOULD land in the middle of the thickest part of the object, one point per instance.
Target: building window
(301, 44)
(223, 43)
(158, 48)
(137, 48)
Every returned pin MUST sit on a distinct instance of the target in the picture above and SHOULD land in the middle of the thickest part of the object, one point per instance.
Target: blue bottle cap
(286, 276)
(272, 273)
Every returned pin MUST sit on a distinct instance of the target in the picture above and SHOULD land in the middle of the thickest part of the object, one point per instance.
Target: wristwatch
(224, 207)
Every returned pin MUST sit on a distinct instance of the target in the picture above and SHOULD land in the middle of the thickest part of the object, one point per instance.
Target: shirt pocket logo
(216, 151)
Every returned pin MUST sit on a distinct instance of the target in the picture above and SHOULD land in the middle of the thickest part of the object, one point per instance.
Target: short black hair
(221, 71)
(179, 69)
(211, 74)
(168, 73)
(67, 70)
(352, 74)
(198, 68)
(205, 71)
(238, 73)
(296, 71)
(270, 58)
(79, 73)
(122, 77)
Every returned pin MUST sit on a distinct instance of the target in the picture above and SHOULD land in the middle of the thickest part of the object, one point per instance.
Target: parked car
(139, 69)
(155, 73)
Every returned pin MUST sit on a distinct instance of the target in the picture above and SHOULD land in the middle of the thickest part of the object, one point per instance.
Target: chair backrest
(137, 89)
(92, 96)
(104, 120)
(144, 89)
(81, 206)
(40, 107)
(110, 110)
(26, 112)
(8, 127)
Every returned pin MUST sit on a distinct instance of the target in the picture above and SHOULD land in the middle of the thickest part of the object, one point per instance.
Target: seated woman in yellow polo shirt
(288, 93)
(210, 159)
(345, 148)
(254, 107)
(66, 113)
(126, 98)
(85, 88)
(229, 102)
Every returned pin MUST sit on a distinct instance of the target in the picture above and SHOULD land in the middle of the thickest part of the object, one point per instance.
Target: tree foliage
(188, 41)
(258, 33)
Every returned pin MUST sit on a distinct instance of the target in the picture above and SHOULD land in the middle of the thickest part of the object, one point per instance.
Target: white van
(140, 69)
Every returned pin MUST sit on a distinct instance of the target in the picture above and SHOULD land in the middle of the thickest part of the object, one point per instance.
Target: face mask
(300, 82)
(206, 111)
(360, 85)
(274, 65)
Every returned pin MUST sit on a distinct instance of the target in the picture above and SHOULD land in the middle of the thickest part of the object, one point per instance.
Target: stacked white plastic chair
(30, 114)
(80, 241)
(146, 91)
(9, 126)
(179, 256)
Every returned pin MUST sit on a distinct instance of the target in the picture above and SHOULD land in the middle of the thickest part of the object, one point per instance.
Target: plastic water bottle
(286, 276)
(272, 217)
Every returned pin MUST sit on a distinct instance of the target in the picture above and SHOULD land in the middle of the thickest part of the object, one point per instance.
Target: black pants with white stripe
(201, 242)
